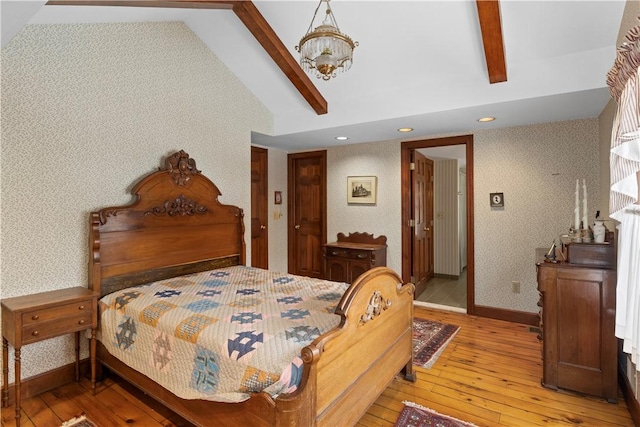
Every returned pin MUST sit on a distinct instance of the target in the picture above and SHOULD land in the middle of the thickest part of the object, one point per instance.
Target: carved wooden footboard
(356, 362)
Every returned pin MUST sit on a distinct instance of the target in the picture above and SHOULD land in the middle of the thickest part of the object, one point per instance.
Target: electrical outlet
(515, 287)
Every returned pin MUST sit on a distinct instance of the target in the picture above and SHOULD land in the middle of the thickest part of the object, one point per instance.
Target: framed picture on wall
(496, 200)
(362, 190)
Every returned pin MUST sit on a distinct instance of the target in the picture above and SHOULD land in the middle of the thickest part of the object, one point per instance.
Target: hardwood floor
(489, 375)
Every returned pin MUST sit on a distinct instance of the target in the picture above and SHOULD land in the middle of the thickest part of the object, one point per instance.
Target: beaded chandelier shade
(326, 51)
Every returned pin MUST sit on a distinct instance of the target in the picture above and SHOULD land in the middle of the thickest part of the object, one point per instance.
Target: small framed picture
(496, 200)
(277, 197)
(362, 189)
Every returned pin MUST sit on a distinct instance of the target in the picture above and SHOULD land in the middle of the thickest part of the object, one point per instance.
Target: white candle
(585, 216)
(576, 210)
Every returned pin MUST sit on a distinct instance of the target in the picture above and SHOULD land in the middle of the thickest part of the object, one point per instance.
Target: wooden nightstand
(37, 317)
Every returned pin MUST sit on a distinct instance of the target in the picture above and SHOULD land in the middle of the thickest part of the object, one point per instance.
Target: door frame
(405, 178)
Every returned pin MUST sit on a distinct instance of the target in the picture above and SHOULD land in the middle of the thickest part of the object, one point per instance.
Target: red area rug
(430, 338)
(414, 415)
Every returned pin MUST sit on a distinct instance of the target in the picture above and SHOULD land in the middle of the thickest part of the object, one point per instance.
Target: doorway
(464, 247)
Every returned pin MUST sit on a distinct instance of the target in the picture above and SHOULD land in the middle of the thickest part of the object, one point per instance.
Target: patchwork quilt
(222, 334)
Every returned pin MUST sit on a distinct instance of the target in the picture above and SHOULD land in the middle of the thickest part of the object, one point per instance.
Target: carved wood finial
(181, 167)
(376, 306)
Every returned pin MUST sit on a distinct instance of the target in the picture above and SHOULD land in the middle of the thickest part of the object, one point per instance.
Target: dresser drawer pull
(335, 253)
(81, 307)
(361, 256)
(35, 317)
(35, 333)
(81, 322)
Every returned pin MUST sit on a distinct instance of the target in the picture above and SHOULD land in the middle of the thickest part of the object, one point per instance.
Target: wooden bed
(177, 226)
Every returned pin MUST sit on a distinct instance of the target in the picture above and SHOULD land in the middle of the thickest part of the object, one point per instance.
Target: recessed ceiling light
(405, 130)
(486, 119)
(342, 138)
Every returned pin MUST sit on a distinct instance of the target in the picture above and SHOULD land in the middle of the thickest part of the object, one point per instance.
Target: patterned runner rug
(430, 338)
(80, 421)
(414, 415)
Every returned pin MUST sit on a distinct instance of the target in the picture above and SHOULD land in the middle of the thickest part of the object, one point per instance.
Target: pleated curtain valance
(624, 85)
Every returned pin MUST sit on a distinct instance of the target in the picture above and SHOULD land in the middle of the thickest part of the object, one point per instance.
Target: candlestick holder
(575, 235)
(586, 236)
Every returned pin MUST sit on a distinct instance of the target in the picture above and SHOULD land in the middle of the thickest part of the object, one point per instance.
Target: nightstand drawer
(55, 313)
(42, 330)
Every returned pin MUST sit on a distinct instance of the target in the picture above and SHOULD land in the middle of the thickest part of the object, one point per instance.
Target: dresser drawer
(37, 331)
(55, 313)
(349, 254)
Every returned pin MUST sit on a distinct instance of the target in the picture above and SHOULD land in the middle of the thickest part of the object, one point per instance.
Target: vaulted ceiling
(435, 66)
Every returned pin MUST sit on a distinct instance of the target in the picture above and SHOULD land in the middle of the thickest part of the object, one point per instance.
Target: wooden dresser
(350, 256)
(577, 322)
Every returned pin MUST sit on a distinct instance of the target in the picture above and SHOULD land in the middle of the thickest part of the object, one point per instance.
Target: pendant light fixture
(326, 51)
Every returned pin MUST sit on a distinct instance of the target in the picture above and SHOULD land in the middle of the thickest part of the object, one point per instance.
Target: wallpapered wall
(87, 110)
(536, 168)
(381, 159)
(277, 228)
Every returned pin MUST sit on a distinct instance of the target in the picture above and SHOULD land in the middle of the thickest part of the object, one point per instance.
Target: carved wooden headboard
(176, 226)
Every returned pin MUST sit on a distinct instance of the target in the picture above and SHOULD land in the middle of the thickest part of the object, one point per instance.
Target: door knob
(297, 227)
(262, 227)
(426, 229)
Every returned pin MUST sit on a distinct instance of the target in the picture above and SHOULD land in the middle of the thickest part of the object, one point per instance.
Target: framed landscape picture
(362, 189)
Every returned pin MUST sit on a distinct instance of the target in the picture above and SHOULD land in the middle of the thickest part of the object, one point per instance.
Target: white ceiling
(419, 64)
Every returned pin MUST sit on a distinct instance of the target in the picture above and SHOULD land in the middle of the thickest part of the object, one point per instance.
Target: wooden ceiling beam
(491, 28)
(251, 17)
(262, 31)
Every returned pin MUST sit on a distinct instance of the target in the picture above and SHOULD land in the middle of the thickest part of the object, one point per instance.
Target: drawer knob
(81, 307)
(334, 253)
(81, 322)
(362, 256)
(35, 333)
(35, 317)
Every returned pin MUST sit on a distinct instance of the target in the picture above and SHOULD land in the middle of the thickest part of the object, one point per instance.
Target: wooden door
(422, 201)
(307, 212)
(259, 231)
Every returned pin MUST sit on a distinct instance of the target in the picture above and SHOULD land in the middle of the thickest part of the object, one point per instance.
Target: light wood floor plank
(39, 413)
(9, 418)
